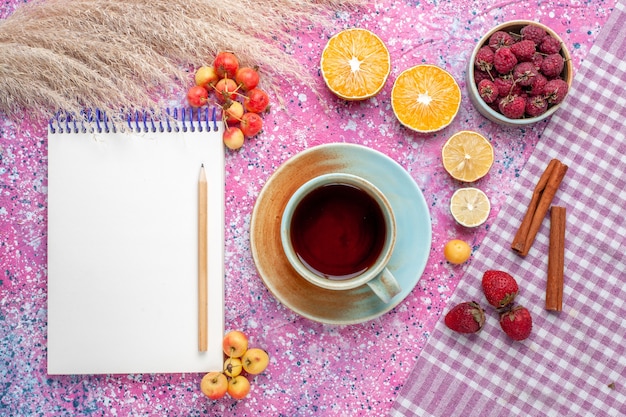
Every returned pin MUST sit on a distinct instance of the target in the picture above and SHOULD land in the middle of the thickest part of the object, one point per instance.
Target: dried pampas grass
(113, 54)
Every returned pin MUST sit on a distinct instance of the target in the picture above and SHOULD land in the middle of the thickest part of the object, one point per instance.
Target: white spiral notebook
(123, 244)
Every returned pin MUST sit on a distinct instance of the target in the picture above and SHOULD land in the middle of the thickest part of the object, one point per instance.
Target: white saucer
(412, 245)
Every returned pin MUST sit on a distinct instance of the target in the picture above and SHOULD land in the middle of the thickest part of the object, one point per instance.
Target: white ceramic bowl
(513, 26)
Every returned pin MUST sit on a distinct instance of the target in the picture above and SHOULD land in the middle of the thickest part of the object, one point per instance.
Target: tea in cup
(338, 231)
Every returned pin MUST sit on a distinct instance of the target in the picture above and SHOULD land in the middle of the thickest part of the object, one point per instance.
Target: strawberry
(500, 288)
(467, 317)
(517, 323)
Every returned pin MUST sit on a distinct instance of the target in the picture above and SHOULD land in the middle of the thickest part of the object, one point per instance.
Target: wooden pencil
(202, 261)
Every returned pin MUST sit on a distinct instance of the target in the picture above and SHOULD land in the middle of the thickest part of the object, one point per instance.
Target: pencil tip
(201, 165)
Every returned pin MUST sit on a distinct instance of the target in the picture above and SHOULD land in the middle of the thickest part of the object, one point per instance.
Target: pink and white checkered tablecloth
(573, 364)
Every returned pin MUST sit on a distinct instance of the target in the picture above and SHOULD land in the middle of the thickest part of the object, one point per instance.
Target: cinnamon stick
(556, 259)
(540, 202)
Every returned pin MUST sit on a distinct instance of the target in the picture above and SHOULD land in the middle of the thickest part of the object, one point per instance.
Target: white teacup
(338, 231)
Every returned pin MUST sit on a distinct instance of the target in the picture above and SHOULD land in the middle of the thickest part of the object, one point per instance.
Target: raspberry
(499, 39)
(481, 75)
(537, 60)
(513, 106)
(496, 104)
(484, 59)
(488, 90)
(506, 86)
(533, 33)
(538, 84)
(504, 60)
(524, 50)
(552, 65)
(555, 91)
(536, 106)
(550, 45)
(524, 73)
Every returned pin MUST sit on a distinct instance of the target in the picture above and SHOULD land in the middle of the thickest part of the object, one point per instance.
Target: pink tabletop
(315, 369)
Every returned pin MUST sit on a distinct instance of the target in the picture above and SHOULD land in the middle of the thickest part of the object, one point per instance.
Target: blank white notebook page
(123, 252)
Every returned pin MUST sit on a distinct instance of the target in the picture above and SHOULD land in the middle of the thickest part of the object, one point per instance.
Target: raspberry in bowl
(519, 73)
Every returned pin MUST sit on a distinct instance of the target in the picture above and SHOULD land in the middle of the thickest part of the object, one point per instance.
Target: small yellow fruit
(214, 385)
(457, 251)
(235, 344)
(255, 361)
(238, 387)
(232, 367)
(205, 76)
(233, 138)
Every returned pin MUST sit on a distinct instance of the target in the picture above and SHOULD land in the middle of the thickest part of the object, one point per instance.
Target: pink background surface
(315, 369)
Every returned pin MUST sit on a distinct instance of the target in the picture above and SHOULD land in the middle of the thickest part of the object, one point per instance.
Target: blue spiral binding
(167, 120)
(67, 122)
(183, 121)
(98, 127)
(170, 120)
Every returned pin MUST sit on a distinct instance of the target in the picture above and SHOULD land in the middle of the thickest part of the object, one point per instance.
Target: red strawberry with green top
(517, 323)
(467, 317)
(500, 288)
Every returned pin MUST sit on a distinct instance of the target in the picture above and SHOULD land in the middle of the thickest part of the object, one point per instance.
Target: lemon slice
(467, 156)
(355, 64)
(470, 206)
(425, 98)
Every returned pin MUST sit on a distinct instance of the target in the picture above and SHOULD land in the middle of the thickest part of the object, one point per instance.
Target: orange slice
(425, 98)
(355, 64)
(467, 156)
(470, 207)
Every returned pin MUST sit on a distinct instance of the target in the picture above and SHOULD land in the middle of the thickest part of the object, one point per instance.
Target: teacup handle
(385, 286)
